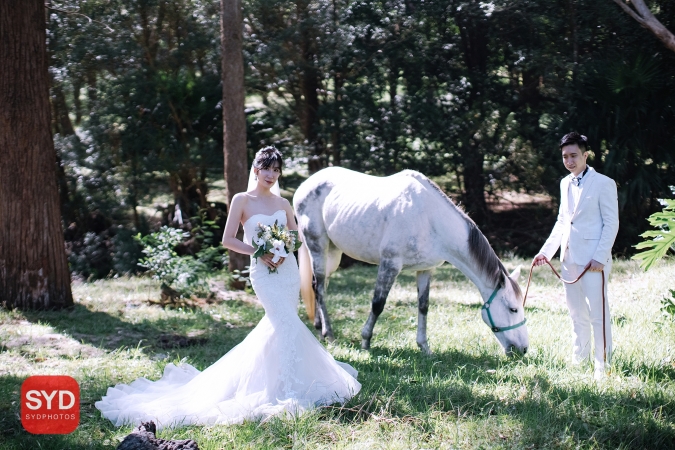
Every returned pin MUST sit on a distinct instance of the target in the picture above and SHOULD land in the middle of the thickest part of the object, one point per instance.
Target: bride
(278, 368)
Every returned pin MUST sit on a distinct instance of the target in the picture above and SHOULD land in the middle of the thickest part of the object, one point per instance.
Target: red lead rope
(604, 337)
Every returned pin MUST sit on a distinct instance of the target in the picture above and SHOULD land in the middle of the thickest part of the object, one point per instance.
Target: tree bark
(644, 17)
(309, 85)
(473, 34)
(474, 183)
(234, 116)
(33, 267)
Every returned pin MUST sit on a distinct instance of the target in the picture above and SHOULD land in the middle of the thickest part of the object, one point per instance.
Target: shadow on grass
(406, 385)
(90, 434)
(208, 340)
(648, 373)
(361, 278)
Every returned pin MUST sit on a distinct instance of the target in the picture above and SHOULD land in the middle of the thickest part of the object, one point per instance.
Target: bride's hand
(267, 260)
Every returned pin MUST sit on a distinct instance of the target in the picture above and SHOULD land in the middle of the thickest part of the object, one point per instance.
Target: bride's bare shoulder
(240, 198)
(285, 205)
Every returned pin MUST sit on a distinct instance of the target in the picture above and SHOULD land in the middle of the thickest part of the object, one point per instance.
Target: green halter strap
(495, 328)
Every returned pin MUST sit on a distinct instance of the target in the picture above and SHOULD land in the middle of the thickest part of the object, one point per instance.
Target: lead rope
(604, 336)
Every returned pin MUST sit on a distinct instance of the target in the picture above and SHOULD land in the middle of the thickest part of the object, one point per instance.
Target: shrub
(187, 274)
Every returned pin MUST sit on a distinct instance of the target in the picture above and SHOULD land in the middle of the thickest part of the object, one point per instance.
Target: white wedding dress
(279, 368)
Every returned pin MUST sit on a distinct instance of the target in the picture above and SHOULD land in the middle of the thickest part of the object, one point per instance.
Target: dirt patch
(178, 341)
(42, 346)
(503, 201)
(219, 293)
(219, 289)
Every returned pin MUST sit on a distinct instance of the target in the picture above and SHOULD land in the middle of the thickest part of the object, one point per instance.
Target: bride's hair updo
(266, 157)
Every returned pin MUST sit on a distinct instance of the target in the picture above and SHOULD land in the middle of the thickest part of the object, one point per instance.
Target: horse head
(504, 312)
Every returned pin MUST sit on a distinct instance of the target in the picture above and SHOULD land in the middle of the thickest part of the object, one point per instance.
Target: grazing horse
(400, 222)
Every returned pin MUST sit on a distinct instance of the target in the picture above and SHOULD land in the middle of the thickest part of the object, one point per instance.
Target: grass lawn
(466, 395)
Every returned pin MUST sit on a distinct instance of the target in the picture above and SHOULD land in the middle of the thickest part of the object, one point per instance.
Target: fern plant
(668, 305)
(658, 241)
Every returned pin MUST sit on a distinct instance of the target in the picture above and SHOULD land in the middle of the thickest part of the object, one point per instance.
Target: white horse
(401, 222)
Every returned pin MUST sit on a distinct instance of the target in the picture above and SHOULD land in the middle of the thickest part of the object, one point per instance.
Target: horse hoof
(329, 338)
(425, 349)
(365, 344)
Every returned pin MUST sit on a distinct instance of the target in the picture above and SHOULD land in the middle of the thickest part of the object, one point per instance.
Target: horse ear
(515, 274)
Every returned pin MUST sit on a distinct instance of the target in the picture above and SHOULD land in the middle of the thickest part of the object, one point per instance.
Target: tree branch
(78, 14)
(643, 15)
(630, 11)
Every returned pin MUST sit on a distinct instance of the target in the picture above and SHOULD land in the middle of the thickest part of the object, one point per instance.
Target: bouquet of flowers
(275, 239)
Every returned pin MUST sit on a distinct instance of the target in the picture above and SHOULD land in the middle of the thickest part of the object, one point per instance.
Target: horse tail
(306, 277)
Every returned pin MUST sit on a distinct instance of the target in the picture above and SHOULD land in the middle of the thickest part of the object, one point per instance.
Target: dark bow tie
(577, 180)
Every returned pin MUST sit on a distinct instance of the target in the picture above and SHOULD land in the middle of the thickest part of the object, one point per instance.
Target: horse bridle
(493, 327)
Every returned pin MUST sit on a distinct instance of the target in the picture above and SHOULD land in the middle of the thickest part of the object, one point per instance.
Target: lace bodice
(255, 219)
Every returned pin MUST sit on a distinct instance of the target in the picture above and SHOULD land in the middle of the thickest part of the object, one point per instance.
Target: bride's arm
(290, 216)
(230, 240)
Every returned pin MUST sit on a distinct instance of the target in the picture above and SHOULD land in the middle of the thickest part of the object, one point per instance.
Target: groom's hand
(595, 266)
(539, 260)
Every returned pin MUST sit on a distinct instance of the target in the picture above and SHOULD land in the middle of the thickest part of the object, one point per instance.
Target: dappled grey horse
(400, 222)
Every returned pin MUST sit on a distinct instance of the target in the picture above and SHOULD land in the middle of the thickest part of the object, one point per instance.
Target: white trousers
(584, 300)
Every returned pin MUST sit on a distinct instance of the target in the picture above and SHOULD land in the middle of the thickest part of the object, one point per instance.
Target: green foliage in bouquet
(658, 242)
(276, 232)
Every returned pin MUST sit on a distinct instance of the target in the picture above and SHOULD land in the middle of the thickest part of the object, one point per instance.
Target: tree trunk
(473, 33)
(33, 267)
(474, 183)
(234, 117)
(309, 85)
(189, 190)
(338, 82)
(336, 133)
(643, 15)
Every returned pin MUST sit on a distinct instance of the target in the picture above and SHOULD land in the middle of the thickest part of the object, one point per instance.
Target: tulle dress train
(279, 368)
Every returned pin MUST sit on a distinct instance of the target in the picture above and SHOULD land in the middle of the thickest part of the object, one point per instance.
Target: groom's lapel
(586, 187)
(565, 195)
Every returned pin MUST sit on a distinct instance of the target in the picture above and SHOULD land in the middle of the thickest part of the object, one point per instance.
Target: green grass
(466, 395)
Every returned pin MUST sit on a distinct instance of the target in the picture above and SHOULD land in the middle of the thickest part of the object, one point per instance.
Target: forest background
(474, 94)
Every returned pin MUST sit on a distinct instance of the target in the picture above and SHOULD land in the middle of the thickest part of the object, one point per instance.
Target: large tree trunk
(33, 267)
(234, 117)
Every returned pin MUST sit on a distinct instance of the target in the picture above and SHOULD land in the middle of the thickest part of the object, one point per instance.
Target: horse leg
(332, 263)
(319, 247)
(317, 314)
(423, 283)
(386, 275)
(321, 310)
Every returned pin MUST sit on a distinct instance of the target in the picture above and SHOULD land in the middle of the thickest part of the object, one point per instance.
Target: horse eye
(513, 310)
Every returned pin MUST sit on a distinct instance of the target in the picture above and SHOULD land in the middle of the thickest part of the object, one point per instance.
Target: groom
(588, 221)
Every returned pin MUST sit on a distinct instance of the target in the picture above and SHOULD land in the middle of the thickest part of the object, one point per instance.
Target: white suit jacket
(589, 232)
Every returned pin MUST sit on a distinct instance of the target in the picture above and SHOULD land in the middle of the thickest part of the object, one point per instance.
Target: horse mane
(481, 251)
